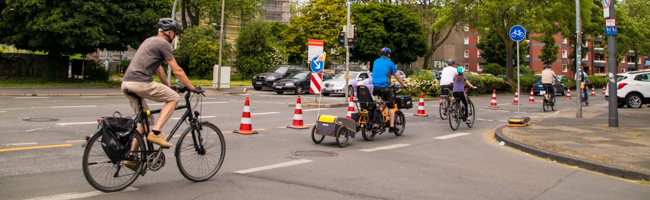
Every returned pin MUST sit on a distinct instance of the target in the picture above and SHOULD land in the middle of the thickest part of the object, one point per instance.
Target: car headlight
(271, 78)
(288, 84)
(254, 77)
(274, 83)
(339, 85)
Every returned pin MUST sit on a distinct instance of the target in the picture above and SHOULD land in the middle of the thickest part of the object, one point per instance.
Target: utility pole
(611, 68)
(578, 60)
(169, 69)
(347, 57)
(220, 46)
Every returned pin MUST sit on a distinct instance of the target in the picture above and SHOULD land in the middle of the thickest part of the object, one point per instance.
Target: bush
(486, 84)
(422, 82)
(124, 64)
(205, 54)
(526, 83)
(95, 72)
(598, 81)
(192, 36)
(494, 68)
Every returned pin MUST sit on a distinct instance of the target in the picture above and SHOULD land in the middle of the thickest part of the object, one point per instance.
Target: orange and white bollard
(603, 91)
(493, 103)
(350, 107)
(568, 93)
(297, 117)
(516, 101)
(593, 91)
(245, 126)
(532, 98)
(420, 112)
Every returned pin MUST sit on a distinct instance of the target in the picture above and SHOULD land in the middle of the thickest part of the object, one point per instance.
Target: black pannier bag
(404, 102)
(116, 136)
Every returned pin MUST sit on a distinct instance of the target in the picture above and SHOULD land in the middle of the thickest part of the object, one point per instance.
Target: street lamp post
(220, 46)
(169, 69)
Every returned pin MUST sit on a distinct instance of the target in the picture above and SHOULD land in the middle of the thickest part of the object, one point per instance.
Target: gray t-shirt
(151, 54)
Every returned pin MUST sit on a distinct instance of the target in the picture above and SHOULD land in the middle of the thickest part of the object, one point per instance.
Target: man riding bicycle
(447, 77)
(138, 79)
(383, 67)
(547, 80)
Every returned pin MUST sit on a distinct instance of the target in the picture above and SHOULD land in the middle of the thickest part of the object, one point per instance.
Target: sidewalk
(99, 91)
(589, 142)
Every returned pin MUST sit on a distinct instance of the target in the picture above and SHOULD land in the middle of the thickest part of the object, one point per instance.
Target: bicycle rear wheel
(471, 112)
(444, 113)
(545, 105)
(103, 174)
(553, 105)
(400, 123)
(454, 116)
(200, 154)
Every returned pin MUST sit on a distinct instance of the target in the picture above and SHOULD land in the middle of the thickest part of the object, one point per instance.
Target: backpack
(117, 136)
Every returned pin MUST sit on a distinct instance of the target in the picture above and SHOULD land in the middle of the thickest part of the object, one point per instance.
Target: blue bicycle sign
(517, 33)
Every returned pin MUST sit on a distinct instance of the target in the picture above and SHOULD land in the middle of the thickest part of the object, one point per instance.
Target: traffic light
(354, 43)
(341, 39)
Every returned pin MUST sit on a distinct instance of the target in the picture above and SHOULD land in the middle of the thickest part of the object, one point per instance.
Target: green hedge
(424, 82)
(95, 72)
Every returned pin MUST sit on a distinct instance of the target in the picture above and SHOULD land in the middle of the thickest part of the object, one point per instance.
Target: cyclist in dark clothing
(382, 69)
(459, 90)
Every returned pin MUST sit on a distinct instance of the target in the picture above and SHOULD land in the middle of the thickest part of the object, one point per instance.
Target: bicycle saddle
(131, 93)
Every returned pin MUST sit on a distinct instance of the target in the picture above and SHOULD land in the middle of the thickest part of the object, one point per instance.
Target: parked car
(298, 83)
(267, 78)
(563, 78)
(538, 87)
(502, 77)
(633, 89)
(337, 85)
(436, 74)
(471, 73)
(486, 74)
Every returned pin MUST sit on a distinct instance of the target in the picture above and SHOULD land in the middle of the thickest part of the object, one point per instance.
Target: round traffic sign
(517, 33)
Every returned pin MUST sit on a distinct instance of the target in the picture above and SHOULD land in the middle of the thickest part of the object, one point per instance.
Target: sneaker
(159, 140)
(469, 121)
(133, 165)
(393, 130)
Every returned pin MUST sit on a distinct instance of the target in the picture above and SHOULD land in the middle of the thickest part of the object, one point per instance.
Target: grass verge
(114, 81)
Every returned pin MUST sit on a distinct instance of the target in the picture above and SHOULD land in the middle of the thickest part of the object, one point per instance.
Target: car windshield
(279, 70)
(538, 79)
(298, 75)
(620, 78)
(342, 76)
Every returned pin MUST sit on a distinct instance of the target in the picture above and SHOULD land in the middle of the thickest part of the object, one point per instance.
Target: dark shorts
(445, 92)
(386, 95)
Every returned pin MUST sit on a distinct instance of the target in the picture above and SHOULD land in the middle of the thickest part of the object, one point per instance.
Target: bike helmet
(451, 62)
(166, 24)
(459, 70)
(547, 67)
(385, 51)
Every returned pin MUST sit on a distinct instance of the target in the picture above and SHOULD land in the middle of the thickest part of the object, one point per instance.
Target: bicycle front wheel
(103, 174)
(444, 113)
(454, 117)
(200, 154)
(472, 113)
(400, 123)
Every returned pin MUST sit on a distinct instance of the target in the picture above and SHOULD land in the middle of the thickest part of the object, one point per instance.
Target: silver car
(337, 85)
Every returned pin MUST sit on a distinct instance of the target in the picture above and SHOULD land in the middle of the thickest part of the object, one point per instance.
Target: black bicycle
(200, 150)
(457, 112)
(444, 105)
(548, 100)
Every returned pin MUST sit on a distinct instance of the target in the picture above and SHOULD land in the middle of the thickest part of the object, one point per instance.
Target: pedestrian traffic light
(341, 39)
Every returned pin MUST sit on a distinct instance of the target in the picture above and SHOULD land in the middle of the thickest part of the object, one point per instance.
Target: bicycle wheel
(103, 174)
(443, 109)
(367, 135)
(342, 137)
(454, 116)
(553, 105)
(400, 123)
(471, 113)
(200, 162)
(316, 137)
(545, 105)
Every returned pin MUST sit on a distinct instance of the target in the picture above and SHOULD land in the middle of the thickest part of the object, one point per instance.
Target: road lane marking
(37, 147)
(31, 97)
(265, 113)
(444, 137)
(76, 195)
(36, 129)
(315, 109)
(3, 111)
(20, 144)
(75, 141)
(284, 164)
(215, 102)
(86, 106)
(75, 123)
(202, 117)
(395, 146)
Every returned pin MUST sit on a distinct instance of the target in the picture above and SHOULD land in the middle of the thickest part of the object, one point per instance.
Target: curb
(584, 164)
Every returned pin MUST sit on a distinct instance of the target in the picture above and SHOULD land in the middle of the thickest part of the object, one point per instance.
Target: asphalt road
(430, 161)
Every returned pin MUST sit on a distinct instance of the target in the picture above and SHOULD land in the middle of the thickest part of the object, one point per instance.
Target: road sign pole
(578, 61)
(347, 58)
(611, 68)
(518, 87)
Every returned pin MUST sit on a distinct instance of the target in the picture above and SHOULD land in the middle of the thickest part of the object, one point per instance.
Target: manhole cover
(40, 119)
(315, 153)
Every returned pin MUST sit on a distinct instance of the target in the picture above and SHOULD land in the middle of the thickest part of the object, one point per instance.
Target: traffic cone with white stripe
(121, 72)
(246, 127)
(297, 117)
(593, 91)
(421, 107)
(350, 107)
(603, 91)
(493, 103)
(532, 98)
(568, 93)
(516, 97)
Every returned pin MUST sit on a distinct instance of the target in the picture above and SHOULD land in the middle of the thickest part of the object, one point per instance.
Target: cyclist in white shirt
(447, 77)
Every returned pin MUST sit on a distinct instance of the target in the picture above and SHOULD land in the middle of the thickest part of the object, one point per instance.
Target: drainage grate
(315, 153)
(40, 119)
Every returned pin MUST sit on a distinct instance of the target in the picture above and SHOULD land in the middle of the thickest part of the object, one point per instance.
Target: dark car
(267, 78)
(299, 83)
(560, 88)
(436, 74)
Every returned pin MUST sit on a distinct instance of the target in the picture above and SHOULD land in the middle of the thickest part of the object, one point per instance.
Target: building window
(586, 44)
(466, 54)
(479, 67)
(478, 39)
(638, 61)
(596, 56)
(597, 70)
(623, 70)
(479, 52)
(623, 60)
(586, 57)
(564, 54)
(630, 59)
(564, 68)
(466, 28)
(466, 40)
(564, 41)
(466, 66)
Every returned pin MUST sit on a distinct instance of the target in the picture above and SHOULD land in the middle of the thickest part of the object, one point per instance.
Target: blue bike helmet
(451, 62)
(385, 51)
(459, 70)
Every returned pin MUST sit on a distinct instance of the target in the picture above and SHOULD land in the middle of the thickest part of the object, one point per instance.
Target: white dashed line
(203, 117)
(395, 146)
(3, 111)
(315, 109)
(21, 144)
(31, 97)
(87, 106)
(36, 129)
(284, 164)
(266, 113)
(444, 137)
(75, 123)
(82, 195)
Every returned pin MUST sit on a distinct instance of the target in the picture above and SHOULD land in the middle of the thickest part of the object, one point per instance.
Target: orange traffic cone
(421, 107)
(516, 97)
(568, 93)
(121, 72)
(297, 117)
(246, 127)
(493, 103)
(532, 98)
(593, 91)
(350, 107)
(603, 91)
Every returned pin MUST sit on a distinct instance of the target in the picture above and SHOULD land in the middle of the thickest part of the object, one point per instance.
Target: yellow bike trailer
(340, 127)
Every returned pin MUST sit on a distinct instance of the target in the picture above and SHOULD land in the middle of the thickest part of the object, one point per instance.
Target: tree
(386, 25)
(441, 19)
(205, 54)
(494, 49)
(632, 17)
(254, 48)
(69, 27)
(550, 50)
(494, 68)
(192, 36)
(198, 10)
